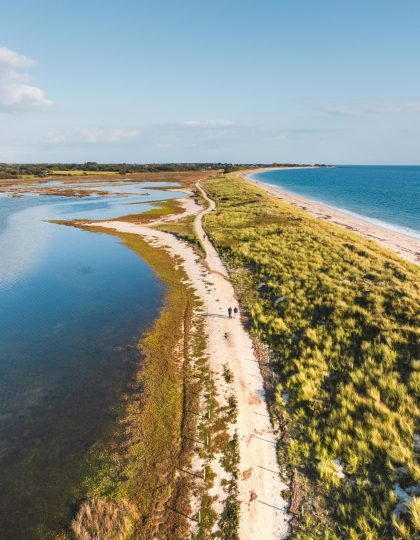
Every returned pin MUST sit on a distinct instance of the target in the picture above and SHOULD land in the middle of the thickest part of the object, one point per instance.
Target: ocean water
(72, 307)
(388, 196)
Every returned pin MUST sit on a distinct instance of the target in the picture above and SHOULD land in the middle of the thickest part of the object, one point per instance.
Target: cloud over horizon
(223, 123)
(93, 135)
(15, 92)
(368, 109)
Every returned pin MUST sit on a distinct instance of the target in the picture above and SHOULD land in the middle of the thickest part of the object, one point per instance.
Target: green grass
(160, 209)
(229, 518)
(340, 315)
(184, 230)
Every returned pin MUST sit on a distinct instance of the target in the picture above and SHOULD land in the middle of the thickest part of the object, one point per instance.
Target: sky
(254, 81)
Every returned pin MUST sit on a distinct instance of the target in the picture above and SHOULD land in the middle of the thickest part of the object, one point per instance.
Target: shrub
(100, 519)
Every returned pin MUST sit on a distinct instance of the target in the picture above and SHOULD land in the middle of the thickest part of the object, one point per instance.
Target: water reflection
(22, 244)
(24, 236)
(72, 305)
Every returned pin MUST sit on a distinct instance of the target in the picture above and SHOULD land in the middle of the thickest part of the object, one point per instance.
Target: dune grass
(340, 315)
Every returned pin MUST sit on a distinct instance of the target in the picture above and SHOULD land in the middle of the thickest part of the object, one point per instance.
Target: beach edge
(403, 245)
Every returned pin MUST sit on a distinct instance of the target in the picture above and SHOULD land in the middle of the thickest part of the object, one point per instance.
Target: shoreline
(406, 246)
(153, 428)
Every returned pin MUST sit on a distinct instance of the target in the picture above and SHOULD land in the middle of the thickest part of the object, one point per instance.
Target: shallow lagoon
(72, 306)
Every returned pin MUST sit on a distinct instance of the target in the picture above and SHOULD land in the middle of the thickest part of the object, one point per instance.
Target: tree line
(17, 170)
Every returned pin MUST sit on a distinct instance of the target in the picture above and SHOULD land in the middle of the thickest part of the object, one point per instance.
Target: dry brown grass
(104, 520)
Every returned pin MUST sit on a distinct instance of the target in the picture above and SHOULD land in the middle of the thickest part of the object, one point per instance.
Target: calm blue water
(386, 195)
(72, 307)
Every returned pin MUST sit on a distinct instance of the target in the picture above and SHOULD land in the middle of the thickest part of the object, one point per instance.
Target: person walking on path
(235, 311)
(230, 312)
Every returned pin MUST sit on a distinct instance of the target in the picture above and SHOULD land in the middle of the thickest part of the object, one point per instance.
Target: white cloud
(370, 109)
(207, 123)
(13, 59)
(15, 93)
(93, 135)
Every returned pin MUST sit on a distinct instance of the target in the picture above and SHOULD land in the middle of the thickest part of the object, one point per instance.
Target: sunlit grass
(340, 314)
(160, 209)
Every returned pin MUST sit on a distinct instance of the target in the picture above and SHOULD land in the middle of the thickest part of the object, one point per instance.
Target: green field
(340, 315)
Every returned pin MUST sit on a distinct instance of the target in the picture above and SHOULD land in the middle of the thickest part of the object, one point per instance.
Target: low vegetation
(183, 229)
(19, 170)
(160, 210)
(98, 518)
(340, 316)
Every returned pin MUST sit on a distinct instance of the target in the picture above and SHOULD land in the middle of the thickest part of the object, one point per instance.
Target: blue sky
(221, 80)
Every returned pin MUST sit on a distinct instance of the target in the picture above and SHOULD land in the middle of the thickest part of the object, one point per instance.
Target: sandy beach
(406, 246)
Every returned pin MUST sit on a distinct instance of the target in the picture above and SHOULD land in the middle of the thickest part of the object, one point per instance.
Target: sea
(388, 196)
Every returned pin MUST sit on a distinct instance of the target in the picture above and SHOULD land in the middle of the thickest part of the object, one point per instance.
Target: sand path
(263, 510)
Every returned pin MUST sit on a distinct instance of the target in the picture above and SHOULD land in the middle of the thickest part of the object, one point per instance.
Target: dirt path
(263, 511)
(258, 487)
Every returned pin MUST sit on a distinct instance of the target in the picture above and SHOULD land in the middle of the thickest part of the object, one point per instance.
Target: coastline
(205, 426)
(405, 246)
